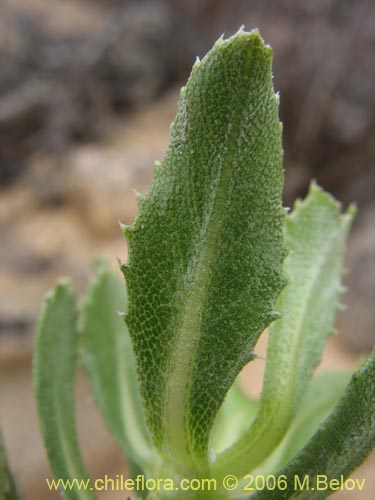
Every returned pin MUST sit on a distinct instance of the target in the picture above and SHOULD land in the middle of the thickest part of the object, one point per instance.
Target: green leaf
(342, 442)
(8, 490)
(206, 249)
(54, 370)
(321, 396)
(315, 234)
(233, 418)
(108, 358)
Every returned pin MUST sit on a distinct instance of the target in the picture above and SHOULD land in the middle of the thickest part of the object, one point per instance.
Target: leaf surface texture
(205, 250)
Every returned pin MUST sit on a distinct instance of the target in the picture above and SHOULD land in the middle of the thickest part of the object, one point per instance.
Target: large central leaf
(205, 251)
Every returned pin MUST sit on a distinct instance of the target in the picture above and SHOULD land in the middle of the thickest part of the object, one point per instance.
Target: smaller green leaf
(233, 418)
(321, 397)
(108, 358)
(340, 445)
(54, 370)
(315, 234)
(8, 490)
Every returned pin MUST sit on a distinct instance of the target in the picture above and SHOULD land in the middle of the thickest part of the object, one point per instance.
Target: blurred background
(88, 89)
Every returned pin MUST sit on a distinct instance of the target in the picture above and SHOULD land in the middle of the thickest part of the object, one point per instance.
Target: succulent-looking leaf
(315, 234)
(54, 370)
(342, 442)
(108, 358)
(206, 249)
(8, 490)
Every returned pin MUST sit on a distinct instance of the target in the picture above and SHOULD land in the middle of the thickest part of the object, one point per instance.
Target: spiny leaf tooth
(137, 193)
(274, 315)
(241, 29)
(123, 266)
(124, 227)
(128, 231)
(141, 198)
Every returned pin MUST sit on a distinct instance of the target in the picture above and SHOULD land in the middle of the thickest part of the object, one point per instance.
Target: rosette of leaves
(213, 260)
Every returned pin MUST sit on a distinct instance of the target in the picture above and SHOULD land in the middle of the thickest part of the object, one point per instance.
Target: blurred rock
(60, 86)
(68, 68)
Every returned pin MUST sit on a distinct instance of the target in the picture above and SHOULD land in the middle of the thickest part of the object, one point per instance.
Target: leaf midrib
(178, 385)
